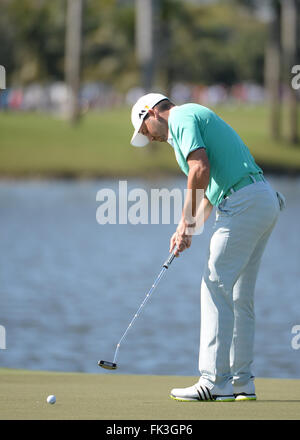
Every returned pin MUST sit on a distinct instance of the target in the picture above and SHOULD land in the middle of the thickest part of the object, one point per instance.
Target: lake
(70, 286)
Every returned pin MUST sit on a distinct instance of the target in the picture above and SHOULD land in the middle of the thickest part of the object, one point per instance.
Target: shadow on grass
(278, 401)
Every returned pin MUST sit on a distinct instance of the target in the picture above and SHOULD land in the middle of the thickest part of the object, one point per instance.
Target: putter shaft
(165, 266)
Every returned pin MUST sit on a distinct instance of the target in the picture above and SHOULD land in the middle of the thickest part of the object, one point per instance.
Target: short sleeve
(189, 135)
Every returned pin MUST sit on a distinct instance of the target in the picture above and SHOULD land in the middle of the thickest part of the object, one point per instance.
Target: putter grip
(169, 260)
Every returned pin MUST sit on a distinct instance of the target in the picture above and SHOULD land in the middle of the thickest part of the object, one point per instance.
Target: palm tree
(72, 55)
(145, 31)
(280, 56)
(289, 23)
(273, 61)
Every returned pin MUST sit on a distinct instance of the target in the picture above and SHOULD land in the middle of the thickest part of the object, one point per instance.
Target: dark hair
(163, 105)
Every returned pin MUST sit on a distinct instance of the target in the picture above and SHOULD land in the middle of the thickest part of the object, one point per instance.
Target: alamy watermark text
(296, 79)
(157, 206)
(2, 78)
(2, 338)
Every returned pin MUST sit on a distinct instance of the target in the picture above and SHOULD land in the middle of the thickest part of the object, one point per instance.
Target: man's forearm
(197, 182)
(196, 206)
(196, 210)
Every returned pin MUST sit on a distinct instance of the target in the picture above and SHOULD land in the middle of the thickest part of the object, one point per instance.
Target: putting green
(111, 396)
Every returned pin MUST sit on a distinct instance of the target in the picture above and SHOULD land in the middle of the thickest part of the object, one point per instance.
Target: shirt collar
(170, 138)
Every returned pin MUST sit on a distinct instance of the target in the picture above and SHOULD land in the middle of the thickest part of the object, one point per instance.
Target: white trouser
(244, 222)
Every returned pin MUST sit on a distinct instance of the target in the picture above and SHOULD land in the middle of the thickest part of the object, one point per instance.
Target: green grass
(252, 124)
(35, 144)
(41, 145)
(133, 397)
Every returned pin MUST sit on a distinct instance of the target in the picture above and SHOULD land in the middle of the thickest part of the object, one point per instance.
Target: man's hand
(181, 238)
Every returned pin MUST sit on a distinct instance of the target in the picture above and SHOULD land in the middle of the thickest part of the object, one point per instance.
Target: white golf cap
(138, 112)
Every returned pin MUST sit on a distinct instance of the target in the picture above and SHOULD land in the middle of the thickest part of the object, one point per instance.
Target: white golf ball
(51, 399)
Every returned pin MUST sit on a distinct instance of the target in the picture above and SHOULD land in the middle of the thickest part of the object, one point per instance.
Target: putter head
(107, 365)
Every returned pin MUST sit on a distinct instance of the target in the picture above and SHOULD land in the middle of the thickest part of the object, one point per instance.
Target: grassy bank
(39, 145)
(131, 397)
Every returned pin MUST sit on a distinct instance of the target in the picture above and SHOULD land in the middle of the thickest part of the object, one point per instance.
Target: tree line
(222, 42)
(198, 43)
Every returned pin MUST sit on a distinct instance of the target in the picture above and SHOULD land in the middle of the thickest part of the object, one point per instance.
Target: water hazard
(70, 286)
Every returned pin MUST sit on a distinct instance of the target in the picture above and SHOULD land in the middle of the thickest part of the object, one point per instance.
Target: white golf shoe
(245, 392)
(200, 393)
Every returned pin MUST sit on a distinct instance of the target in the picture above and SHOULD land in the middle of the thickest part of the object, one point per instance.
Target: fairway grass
(107, 396)
(42, 146)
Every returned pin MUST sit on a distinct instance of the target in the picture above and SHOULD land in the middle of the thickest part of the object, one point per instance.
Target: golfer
(216, 160)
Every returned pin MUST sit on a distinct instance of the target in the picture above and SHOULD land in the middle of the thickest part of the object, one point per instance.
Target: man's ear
(151, 112)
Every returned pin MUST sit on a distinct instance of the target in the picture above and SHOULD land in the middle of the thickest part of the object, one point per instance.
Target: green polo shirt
(192, 126)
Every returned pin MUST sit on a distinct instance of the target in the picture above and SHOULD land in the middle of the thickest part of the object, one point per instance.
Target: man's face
(154, 127)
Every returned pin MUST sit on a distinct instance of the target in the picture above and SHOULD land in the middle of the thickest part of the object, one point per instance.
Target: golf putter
(113, 365)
